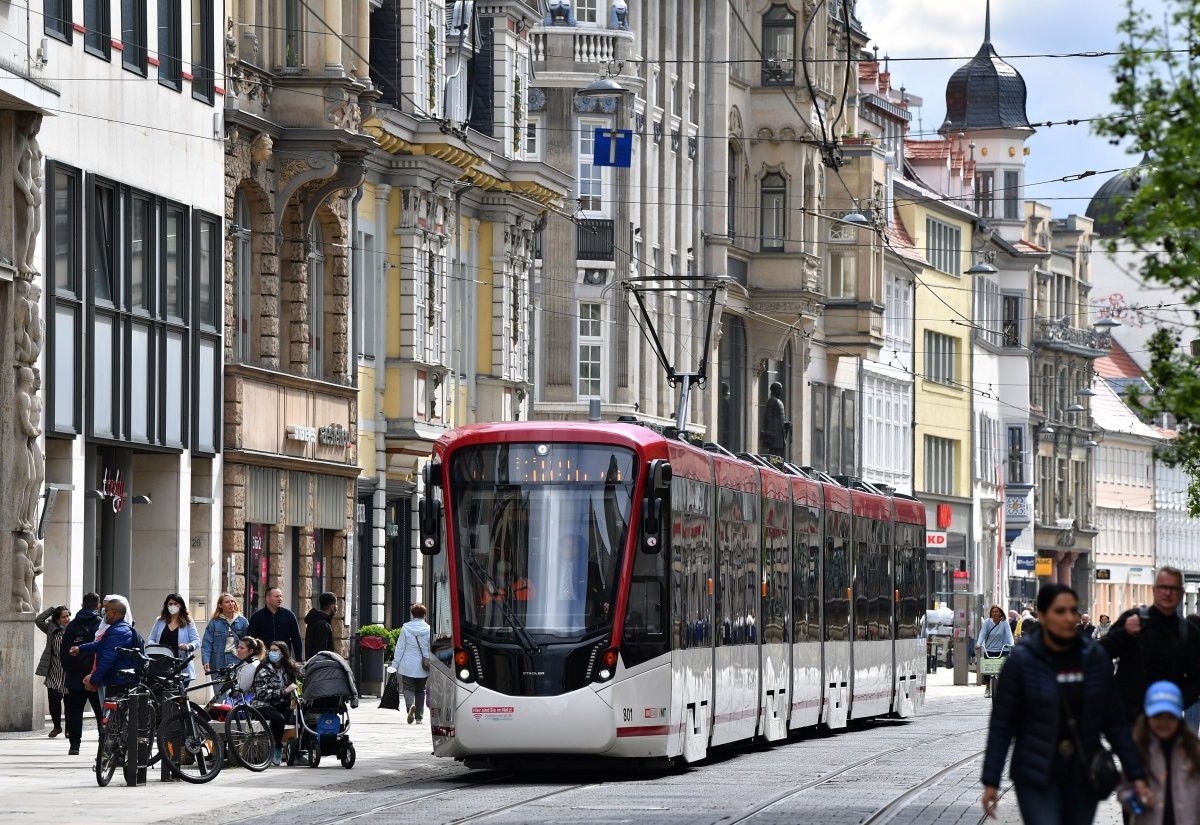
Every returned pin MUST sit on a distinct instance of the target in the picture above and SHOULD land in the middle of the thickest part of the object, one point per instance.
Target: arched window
(245, 343)
(779, 47)
(773, 212)
(731, 207)
(316, 302)
(732, 384)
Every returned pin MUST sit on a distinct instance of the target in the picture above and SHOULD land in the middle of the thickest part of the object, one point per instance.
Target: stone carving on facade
(775, 428)
(29, 330)
(28, 180)
(29, 466)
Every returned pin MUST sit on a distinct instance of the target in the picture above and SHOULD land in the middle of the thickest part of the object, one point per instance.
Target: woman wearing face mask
(1171, 753)
(53, 621)
(175, 629)
(250, 652)
(274, 686)
(225, 629)
(1056, 702)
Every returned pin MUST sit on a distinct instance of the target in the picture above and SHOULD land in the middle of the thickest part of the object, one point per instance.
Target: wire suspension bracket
(713, 289)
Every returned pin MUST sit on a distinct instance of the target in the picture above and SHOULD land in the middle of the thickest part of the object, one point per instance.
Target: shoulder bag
(424, 657)
(1101, 769)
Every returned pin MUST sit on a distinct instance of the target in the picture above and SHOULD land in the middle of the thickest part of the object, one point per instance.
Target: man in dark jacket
(81, 630)
(275, 623)
(1155, 644)
(318, 626)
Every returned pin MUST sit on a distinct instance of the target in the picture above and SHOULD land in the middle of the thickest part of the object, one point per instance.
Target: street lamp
(1105, 324)
(1046, 429)
(602, 87)
(1074, 408)
(982, 268)
(1086, 392)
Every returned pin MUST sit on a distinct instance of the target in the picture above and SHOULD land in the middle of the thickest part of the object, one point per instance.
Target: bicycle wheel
(190, 748)
(248, 738)
(108, 753)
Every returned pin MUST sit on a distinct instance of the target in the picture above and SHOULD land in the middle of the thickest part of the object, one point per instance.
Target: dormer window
(779, 47)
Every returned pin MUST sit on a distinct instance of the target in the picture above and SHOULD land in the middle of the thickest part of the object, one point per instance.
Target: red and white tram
(600, 589)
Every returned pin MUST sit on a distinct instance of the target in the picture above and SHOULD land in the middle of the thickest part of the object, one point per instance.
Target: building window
(1012, 192)
(943, 246)
(590, 177)
(731, 359)
(590, 349)
(819, 414)
(589, 11)
(731, 195)
(1081, 501)
(243, 257)
(985, 193)
(773, 208)
(988, 323)
(779, 47)
(208, 272)
(842, 270)
(898, 315)
(941, 358)
(102, 261)
(170, 45)
(1062, 495)
(174, 264)
(1016, 455)
(1046, 489)
(940, 464)
(203, 50)
(532, 149)
(141, 253)
(58, 19)
(293, 35)
(987, 449)
(133, 36)
(97, 38)
(316, 302)
(1010, 328)
(64, 304)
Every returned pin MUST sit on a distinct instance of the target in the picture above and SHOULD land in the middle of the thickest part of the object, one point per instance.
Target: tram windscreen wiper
(527, 642)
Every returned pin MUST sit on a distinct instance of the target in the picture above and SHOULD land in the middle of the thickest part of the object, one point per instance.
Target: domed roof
(987, 93)
(1106, 204)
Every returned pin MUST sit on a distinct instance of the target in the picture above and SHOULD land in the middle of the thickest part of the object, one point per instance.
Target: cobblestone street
(924, 772)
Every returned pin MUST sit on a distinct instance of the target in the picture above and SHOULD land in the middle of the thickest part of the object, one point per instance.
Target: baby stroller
(323, 711)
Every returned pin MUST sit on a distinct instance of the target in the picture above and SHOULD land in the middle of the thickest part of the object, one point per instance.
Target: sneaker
(419, 720)
(412, 714)
(277, 757)
(56, 732)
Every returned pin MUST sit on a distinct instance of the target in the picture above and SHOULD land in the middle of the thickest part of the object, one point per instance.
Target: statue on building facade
(773, 434)
(27, 313)
(29, 466)
(28, 179)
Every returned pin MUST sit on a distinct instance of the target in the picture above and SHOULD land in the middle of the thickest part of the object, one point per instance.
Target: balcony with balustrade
(1057, 334)
(575, 54)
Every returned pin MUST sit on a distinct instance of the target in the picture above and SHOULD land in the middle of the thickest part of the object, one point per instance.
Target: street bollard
(139, 729)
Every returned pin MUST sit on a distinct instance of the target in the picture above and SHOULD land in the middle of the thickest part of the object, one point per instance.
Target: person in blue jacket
(176, 630)
(110, 661)
(1053, 678)
(225, 629)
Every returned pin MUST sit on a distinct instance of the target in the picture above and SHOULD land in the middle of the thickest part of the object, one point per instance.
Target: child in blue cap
(1171, 753)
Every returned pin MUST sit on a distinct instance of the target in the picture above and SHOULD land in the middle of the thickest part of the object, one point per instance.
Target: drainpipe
(472, 336)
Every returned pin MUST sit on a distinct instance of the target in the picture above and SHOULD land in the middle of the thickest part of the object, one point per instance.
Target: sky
(1058, 88)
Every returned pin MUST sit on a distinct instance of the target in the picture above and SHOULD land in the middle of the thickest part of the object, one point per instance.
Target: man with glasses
(1155, 643)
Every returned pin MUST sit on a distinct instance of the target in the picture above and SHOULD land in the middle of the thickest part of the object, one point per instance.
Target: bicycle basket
(990, 666)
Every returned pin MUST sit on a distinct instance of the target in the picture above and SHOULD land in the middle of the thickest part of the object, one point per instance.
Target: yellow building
(942, 367)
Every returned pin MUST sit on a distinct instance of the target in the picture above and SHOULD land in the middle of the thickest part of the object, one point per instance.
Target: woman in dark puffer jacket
(1052, 670)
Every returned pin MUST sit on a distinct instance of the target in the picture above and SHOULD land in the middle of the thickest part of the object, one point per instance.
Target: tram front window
(539, 532)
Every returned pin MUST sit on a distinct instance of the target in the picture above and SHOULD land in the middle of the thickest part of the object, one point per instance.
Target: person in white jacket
(412, 662)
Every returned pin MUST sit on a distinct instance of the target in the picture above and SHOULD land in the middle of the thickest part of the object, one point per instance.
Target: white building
(1178, 533)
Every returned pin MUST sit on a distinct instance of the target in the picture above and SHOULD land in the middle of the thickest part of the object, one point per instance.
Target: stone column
(22, 463)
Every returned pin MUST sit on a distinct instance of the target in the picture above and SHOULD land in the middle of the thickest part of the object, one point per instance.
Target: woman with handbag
(412, 662)
(1057, 701)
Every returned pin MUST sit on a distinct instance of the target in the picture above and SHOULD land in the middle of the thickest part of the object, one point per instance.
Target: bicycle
(248, 737)
(113, 746)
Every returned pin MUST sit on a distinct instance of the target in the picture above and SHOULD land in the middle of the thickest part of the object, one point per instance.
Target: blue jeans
(1070, 803)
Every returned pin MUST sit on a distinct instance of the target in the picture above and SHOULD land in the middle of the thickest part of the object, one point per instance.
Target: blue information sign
(613, 147)
(1026, 562)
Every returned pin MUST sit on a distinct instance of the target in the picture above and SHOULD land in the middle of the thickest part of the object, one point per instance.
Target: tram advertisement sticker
(492, 714)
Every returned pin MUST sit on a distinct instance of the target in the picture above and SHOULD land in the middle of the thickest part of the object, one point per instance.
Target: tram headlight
(465, 675)
(462, 664)
(608, 665)
(605, 674)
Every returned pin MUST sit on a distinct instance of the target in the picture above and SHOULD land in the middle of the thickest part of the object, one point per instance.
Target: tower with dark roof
(985, 116)
(1105, 205)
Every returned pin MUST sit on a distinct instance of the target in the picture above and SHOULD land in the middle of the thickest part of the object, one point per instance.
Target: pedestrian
(250, 652)
(1028, 624)
(103, 612)
(1055, 703)
(1086, 629)
(1171, 754)
(175, 629)
(275, 623)
(1191, 714)
(1103, 627)
(53, 622)
(318, 625)
(1154, 644)
(412, 662)
(80, 631)
(110, 661)
(1013, 618)
(995, 640)
(225, 629)
(275, 683)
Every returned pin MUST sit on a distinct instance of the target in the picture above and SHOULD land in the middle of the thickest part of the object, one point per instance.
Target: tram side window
(646, 616)
(437, 591)
(862, 560)
(837, 577)
(753, 571)
(775, 571)
(691, 554)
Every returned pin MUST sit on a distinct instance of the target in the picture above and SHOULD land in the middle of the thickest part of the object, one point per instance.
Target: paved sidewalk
(39, 782)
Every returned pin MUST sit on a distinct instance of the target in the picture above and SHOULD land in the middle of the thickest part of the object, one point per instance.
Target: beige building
(298, 88)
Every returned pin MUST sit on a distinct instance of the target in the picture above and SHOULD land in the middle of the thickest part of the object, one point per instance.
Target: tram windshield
(539, 531)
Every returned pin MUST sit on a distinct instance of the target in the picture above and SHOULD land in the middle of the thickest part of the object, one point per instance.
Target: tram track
(891, 810)
(413, 800)
(762, 807)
